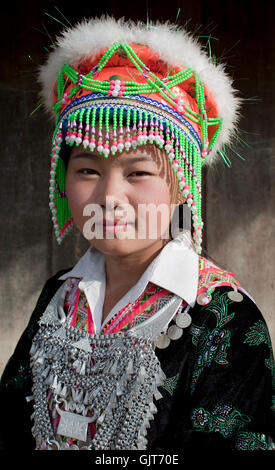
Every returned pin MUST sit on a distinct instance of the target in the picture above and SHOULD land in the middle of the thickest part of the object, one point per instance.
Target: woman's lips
(111, 226)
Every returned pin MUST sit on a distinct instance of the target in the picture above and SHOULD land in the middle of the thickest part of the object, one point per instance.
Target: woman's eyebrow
(124, 162)
(85, 155)
(145, 158)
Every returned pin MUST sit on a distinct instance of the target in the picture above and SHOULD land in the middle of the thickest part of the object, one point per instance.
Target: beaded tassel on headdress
(121, 94)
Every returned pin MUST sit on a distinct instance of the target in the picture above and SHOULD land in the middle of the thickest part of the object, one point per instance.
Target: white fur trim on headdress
(171, 42)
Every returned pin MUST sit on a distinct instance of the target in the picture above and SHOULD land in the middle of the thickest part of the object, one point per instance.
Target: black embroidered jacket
(218, 387)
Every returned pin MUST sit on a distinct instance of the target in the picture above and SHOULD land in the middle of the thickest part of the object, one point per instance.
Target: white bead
(78, 140)
(100, 148)
(114, 148)
(106, 151)
(127, 145)
(114, 93)
(92, 146)
(85, 143)
(120, 146)
(180, 109)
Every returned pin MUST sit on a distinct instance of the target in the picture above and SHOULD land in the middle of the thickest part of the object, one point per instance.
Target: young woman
(144, 343)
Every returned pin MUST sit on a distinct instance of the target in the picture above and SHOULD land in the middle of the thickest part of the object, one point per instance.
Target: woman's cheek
(78, 196)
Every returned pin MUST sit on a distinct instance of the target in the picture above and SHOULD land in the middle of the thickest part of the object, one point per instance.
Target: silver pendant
(174, 332)
(204, 298)
(83, 344)
(163, 341)
(60, 333)
(73, 425)
(183, 320)
(235, 296)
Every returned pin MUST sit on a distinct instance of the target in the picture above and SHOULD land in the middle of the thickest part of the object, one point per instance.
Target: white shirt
(175, 268)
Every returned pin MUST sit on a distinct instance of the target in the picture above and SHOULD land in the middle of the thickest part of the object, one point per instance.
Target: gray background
(239, 212)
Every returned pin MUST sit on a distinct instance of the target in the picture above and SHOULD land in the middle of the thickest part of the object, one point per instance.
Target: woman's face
(111, 196)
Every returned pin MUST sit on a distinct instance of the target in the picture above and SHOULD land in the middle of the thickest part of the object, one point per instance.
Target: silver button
(174, 332)
(235, 296)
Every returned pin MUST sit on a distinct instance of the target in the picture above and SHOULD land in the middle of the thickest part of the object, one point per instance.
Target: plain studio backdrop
(239, 202)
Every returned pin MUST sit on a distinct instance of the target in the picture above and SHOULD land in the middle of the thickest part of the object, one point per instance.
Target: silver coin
(163, 342)
(204, 298)
(174, 332)
(235, 296)
(183, 320)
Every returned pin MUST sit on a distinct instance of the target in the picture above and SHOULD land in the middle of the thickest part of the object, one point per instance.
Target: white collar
(175, 268)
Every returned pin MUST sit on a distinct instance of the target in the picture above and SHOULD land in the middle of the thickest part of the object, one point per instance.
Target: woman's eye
(139, 173)
(86, 171)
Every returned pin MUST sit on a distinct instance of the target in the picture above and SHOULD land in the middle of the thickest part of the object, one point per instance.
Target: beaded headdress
(114, 85)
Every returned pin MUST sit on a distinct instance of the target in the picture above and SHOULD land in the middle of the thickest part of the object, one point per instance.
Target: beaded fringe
(130, 128)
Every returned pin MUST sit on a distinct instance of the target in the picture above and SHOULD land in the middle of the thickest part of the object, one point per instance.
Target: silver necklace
(111, 380)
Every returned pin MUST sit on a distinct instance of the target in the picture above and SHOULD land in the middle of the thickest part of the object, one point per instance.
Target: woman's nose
(110, 190)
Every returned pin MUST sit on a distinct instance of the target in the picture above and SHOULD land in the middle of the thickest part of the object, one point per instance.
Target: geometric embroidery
(210, 274)
(150, 301)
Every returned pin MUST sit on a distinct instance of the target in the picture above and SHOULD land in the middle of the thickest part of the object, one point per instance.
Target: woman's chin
(117, 246)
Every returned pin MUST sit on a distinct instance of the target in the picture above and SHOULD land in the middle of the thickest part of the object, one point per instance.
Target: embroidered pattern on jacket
(170, 384)
(223, 419)
(258, 333)
(251, 441)
(212, 345)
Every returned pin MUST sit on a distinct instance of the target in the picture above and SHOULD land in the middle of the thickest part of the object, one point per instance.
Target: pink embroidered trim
(210, 275)
(135, 309)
